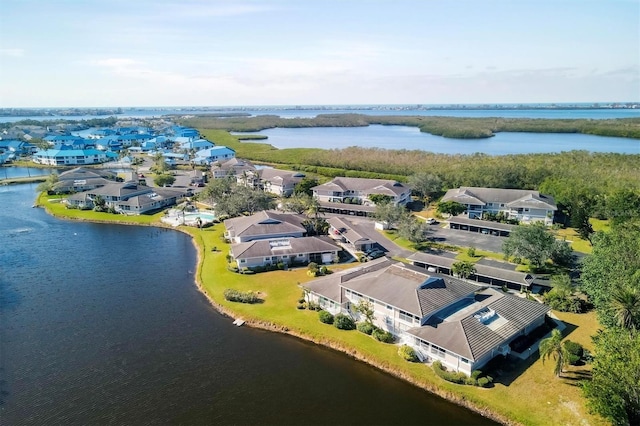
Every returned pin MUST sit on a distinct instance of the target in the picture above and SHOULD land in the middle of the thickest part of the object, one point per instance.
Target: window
(243, 260)
(437, 351)
(389, 308)
(464, 360)
(405, 316)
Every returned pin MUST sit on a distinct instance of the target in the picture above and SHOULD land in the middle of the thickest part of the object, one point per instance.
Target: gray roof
(411, 289)
(265, 223)
(81, 173)
(503, 274)
(465, 335)
(460, 220)
(282, 246)
(345, 206)
(280, 177)
(345, 229)
(515, 198)
(368, 186)
(235, 165)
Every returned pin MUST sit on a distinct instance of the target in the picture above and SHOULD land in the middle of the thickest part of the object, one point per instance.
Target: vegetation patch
(241, 296)
(407, 353)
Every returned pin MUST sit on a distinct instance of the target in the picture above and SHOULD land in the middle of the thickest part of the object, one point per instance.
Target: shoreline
(268, 326)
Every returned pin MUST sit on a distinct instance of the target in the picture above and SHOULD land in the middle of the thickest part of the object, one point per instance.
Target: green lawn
(534, 397)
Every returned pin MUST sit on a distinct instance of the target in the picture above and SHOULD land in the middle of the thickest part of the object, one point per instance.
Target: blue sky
(279, 52)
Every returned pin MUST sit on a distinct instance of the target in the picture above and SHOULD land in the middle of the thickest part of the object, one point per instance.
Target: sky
(121, 53)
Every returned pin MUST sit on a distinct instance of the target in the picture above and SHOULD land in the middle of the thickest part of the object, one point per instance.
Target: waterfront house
(128, 197)
(69, 157)
(353, 195)
(82, 179)
(264, 225)
(524, 205)
(460, 324)
(285, 250)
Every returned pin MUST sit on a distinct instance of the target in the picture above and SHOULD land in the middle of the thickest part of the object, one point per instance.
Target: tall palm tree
(552, 347)
(625, 306)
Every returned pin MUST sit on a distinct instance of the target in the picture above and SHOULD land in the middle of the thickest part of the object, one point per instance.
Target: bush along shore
(529, 399)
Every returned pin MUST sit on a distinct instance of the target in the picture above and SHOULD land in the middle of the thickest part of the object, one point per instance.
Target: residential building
(287, 250)
(275, 181)
(461, 324)
(128, 197)
(217, 153)
(264, 225)
(522, 204)
(233, 167)
(346, 190)
(70, 157)
(82, 179)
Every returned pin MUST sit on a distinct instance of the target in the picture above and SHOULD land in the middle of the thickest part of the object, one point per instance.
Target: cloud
(16, 53)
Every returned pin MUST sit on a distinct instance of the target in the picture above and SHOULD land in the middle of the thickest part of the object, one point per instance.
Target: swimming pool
(205, 216)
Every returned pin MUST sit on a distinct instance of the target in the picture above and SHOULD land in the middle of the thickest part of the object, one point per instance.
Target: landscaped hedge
(325, 317)
(344, 322)
(241, 296)
(575, 351)
(366, 328)
(408, 353)
(383, 336)
(476, 378)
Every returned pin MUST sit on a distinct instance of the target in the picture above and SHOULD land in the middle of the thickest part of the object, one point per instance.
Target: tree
(623, 206)
(159, 163)
(305, 185)
(552, 347)
(625, 307)
(580, 221)
(532, 242)
(164, 179)
(298, 203)
(99, 204)
(613, 264)
(49, 184)
(561, 296)
(450, 207)
(614, 389)
(413, 229)
(463, 269)
(365, 308)
(391, 214)
(561, 253)
(378, 199)
(425, 185)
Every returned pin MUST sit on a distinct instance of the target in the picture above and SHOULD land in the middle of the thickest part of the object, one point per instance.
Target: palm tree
(625, 306)
(552, 347)
(463, 269)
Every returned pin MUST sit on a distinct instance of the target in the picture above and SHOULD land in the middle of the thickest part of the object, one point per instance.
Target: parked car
(375, 254)
(431, 221)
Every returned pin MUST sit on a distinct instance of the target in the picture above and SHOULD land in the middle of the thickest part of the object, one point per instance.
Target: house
(287, 250)
(460, 324)
(69, 157)
(128, 197)
(524, 205)
(82, 179)
(59, 141)
(279, 182)
(197, 145)
(217, 153)
(232, 167)
(264, 225)
(17, 147)
(354, 195)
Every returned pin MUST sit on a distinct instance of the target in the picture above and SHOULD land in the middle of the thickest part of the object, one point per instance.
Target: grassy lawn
(577, 243)
(531, 395)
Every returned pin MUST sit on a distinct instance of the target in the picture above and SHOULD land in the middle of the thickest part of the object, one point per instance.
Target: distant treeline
(449, 127)
(90, 122)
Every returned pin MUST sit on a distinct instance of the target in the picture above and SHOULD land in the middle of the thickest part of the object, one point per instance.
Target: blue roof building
(217, 153)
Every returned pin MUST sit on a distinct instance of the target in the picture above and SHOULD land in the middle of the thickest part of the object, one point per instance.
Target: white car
(431, 221)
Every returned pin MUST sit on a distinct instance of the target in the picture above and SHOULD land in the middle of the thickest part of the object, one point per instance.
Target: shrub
(407, 353)
(324, 270)
(240, 296)
(471, 252)
(576, 351)
(366, 328)
(325, 317)
(314, 306)
(483, 382)
(344, 322)
(301, 300)
(449, 376)
(300, 306)
(383, 336)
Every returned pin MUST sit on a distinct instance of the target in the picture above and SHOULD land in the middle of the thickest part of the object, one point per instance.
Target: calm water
(102, 324)
(404, 137)
(15, 172)
(595, 114)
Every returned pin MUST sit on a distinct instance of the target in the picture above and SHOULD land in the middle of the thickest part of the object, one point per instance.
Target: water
(293, 112)
(404, 137)
(102, 324)
(7, 172)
